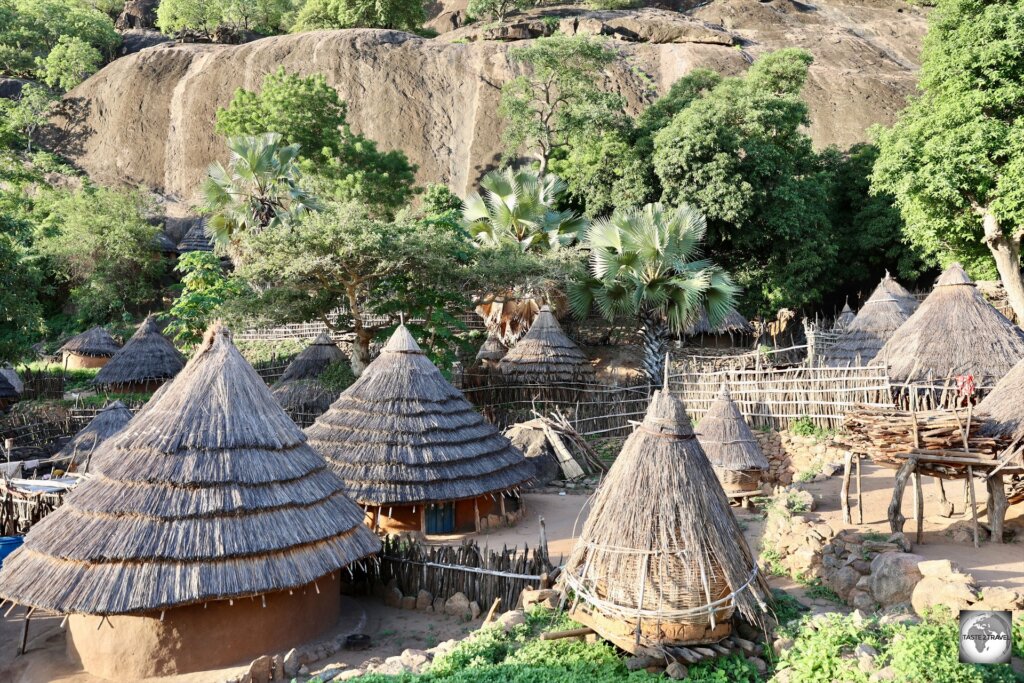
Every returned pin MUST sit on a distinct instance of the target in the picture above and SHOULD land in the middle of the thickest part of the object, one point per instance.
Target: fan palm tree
(644, 262)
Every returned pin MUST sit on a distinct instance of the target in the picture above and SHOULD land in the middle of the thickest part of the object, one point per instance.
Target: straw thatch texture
(7, 390)
(661, 543)
(888, 307)
(163, 243)
(148, 356)
(211, 492)
(12, 377)
(196, 239)
(314, 359)
(1001, 413)
(733, 323)
(492, 350)
(402, 435)
(107, 422)
(94, 342)
(726, 438)
(844, 319)
(545, 355)
(954, 332)
(299, 390)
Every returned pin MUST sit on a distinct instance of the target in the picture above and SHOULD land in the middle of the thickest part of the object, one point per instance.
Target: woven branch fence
(41, 385)
(311, 329)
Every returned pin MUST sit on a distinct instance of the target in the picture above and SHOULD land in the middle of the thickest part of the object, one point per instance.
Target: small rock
(408, 602)
(858, 617)
(457, 606)
(637, 663)
(393, 597)
(900, 539)
(277, 662)
(677, 671)
(291, 664)
(474, 610)
(439, 605)
(424, 600)
(346, 675)
(759, 664)
(511, 619)
(303, 670)
(261, 669)
(893, 577)
(546, 597)
(781, 645)
(938, 568)
(886, 674)
(865, 650)
(414, 659)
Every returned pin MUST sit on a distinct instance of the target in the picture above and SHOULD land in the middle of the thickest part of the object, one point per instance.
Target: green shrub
(785, 607)
(805, 426)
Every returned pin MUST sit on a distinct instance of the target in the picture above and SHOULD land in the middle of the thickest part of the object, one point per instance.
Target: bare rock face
(138, 14)
(148, 118)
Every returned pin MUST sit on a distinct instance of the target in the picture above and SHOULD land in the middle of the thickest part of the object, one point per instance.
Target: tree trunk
(1006, 252)
(361, 351)
(654, 335)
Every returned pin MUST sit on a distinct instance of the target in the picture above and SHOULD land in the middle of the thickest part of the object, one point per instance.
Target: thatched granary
(1001, 412)
(299, 390)
(413, 451)
(845, 317)
(147, 361)
(661, 560)
(546, 356)
(725, 333)
(730, 445)
(80, 450)
(953, 332)
(91, 349)
(888, 307)
(492, 351)
(211, 534)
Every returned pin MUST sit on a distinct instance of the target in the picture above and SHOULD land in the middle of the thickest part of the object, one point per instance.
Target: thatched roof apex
(545, 355)
(888, 307)
(210, 492)
(402, 435)
(954, 275)
(147, 356)
(492, 349)
(733, 322)
(313, 360)
(726, 437)
(93, 342)
(845, 317)
(104, 425)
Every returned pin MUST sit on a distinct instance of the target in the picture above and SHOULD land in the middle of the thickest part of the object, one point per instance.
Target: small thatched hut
(148, 360)
(734, 326)
(844, 318)
(211, 534)
(888, 307)
(954, 332)
(299, 390)
(661, 560)
(546, 356)
(91, 349)
(196, 239)
(1001, 412)
(730, 445)
(8, 394)
(414, 452)
(492, 351)
(83, 446)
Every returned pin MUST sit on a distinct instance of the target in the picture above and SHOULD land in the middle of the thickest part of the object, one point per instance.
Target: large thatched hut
(546, 356)
(148, 360)
(730, 445)
(732, 328)
(661, 560)
(109, 421)
(299, 391)
(413, 451)
(91, 349)
(953, 332)
(888, 307)
(211, 534)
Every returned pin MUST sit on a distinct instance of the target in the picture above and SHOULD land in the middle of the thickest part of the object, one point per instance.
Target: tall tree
(954, 160)
(405, 15)
(205, 287)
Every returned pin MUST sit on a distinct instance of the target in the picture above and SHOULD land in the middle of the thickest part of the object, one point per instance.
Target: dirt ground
(394, 630)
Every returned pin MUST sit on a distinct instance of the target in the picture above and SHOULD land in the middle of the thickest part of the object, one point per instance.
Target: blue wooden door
(441, 518)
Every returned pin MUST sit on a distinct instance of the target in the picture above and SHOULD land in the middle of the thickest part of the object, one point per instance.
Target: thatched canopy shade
(147, 357)
(196, 239)
(402, 435)
(726, 438)
(492, 350)
(888, 307)
(95, 342)
(661, 543)
(107, 422)
(954, 332)
(844, 319)
(733, 323)
(1001, 412)
(209, 493)
(545, 355)
(314, 359)
(12, 377)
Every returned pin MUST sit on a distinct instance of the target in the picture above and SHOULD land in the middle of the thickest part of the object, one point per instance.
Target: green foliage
(267, 351)
(784, 606)
(24, 116)
(30, 29)
(604, 172)
(21, 314)
(729, 669)
(403, 15)
(207, 17)
(75, 379)
(70, 62)
(495, 10)
(816, 590)
(337, 377)
(204, 288)
(804, 426)
(439, 199)
(612, 4)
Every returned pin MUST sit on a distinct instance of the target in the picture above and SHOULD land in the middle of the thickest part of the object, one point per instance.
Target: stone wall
(790, 455)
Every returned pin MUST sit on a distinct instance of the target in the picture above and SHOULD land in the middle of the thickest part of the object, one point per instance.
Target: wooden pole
(24, 632)
(918, 506)
(997, 505)
(974, 506)
(945, 507)
(476, 513)
(896, 518)
(571, 633)
(844, 496)
(860, 496)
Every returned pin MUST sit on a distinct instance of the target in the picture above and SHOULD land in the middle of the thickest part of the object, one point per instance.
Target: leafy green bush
(30, 29)
(403, 15)
(805, 426)
(816, 590)
(785, 607)
(338, 376)
(262, 351)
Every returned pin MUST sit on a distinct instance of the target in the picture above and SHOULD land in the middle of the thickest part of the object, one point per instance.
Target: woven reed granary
(299, 390)
(211, 534)
(413, 451)
(492, 351)
(661, 560)
(1001, 412)
(730, 445)
(147, 361)
(845, 317)
(724, 333)
(953, 332)
(83, 446)
(546, 356)
(91, 349)
(888, 307)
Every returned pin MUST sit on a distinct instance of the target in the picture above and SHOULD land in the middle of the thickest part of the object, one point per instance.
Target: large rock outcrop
(148, 118)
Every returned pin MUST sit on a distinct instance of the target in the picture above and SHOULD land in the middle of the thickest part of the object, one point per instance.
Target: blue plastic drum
(8, 544)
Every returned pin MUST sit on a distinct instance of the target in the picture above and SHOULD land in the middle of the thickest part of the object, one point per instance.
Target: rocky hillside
(148, 118)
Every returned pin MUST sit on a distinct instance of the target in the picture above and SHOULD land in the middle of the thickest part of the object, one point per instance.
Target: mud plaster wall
(76, 362)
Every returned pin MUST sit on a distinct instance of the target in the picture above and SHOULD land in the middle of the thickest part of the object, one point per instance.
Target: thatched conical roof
(93, 342)
(299, 390)
(1001, 412)
(148, 356)
(12, 377)
(726, 438)
(209, 493)
(492, 350)
(104, 425)
(7, 390)
(314, 359)
(888, 307)
(662, 509)
(196, 239)
(732, 323)
(954, 332)
(545, 355)
(845, 317)
(402, 435)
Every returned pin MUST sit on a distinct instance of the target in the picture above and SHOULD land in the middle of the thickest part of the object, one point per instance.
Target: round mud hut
(844, 318)
(546, 356)
(211, 534)
(730, 446)
(413, 451)
(953, 332)
(91, 349)
(80, 450)
(661, 561)
(299, 391)
(725, 334)
(147, 361)
(888, 307)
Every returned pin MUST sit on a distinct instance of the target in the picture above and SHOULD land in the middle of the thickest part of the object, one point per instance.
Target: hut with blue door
(413, 451)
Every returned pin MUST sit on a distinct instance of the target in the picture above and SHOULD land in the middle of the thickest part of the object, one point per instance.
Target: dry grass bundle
(147, 357)
(210, 492)
(107, 422)
(726, 438)
(492, 350)
(314, 359)
(402, 435)
(660, 544)
(95, 342)
(733, 323)
(888, 307)
(545, 355)
(954, 332)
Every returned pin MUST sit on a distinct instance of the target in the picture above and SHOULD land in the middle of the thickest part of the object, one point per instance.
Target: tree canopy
(405, 15)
